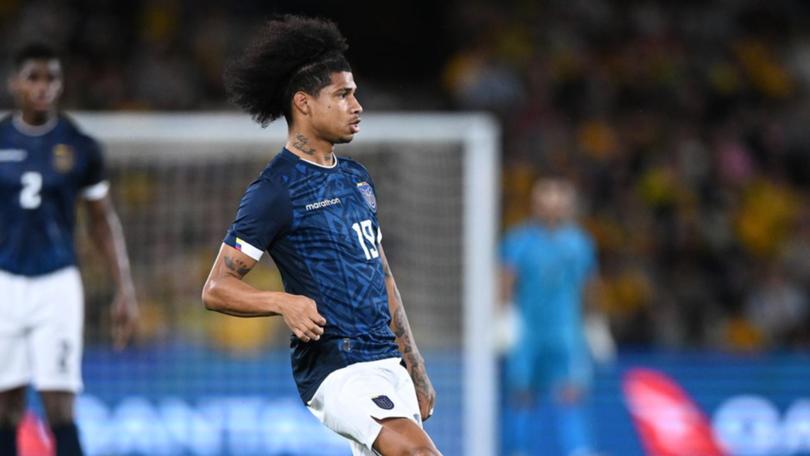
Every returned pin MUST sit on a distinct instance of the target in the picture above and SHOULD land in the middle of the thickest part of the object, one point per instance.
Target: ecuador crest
(63, 158)
(368, 194)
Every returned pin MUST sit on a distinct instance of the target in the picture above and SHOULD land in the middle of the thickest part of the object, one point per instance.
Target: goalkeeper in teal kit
(547, 264)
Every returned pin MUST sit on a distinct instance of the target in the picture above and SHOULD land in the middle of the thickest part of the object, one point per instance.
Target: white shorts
(349, 400)
(41, 331)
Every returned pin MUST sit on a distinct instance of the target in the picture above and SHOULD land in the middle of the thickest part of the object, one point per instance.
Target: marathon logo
(322, 204)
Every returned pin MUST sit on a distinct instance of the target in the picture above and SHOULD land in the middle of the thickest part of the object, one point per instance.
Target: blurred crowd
(170, 54)
(685, 126)
(682, 123)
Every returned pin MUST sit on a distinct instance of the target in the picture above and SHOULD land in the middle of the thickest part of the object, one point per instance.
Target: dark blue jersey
(43, 170)
(320, 226)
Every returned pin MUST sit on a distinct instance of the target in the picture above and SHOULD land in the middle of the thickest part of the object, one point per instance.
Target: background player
(316, 215)
(547, 265)
(46, 165)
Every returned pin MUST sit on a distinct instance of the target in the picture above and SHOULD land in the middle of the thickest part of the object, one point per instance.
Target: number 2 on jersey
(32, 184)
(365, 232)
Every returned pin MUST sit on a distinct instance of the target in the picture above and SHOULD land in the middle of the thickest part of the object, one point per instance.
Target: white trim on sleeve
(248, 249)
(97, 191)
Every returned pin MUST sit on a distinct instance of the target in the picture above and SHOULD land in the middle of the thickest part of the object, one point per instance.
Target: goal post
(437, 180)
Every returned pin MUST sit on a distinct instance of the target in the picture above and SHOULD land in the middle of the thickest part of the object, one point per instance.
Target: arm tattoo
(412, 357)
(387, 272)
(302, 143)
(237, 266)
(402, 330)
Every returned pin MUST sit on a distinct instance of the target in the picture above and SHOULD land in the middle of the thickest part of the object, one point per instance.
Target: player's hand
(123, 318)
(425, 394)
(301, 316)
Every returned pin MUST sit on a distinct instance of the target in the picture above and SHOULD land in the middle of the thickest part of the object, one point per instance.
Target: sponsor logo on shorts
(383, 402)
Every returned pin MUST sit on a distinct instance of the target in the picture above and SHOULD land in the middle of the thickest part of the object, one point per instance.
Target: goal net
(203, 383)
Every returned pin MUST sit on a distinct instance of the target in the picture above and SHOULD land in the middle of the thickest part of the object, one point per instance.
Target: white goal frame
(479, 135)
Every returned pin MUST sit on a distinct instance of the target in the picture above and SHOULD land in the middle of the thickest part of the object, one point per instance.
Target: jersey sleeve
(376, 202)
(510, 250)
(93, 183)
(264, 212)
(366, 176)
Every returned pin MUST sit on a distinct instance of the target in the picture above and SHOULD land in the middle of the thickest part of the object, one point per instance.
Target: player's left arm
(106, 232)
(414, 362)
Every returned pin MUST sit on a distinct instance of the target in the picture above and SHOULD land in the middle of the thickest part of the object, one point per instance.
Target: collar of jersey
(33, 130)
(295, 158)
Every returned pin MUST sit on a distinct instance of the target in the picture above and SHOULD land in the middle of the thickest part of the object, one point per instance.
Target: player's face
(336, 111)
(37, 85)
(554, 200)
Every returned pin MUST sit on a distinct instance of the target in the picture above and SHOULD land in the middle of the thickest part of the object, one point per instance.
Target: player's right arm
(225, 291)
(507, 279)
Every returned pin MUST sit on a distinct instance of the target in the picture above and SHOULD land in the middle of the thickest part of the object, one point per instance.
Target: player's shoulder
(522, 231)
(352, 166)
(576, 234)
(76, 133)
(6, 125)
(520, 235)
(278, 173)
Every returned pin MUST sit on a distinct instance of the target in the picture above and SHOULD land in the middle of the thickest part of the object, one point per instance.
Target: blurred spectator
(777, 307)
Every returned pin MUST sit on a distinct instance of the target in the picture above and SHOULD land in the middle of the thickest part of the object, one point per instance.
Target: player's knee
(10, 417)
(59, 415)
(58, 408)
(12, 407)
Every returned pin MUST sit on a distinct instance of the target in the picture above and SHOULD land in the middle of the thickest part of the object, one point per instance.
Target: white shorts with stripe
(41, 331)
(349, 400)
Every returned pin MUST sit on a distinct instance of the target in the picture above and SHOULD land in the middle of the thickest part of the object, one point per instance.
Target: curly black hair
(289, 54)
(33, 51)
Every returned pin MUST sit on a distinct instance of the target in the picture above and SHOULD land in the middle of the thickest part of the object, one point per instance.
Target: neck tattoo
(301, 143)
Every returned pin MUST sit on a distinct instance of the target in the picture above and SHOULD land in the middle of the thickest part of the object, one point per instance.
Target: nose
(357, 108)
(40, 87)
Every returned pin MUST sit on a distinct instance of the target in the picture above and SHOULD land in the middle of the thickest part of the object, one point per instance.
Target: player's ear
(301, 102)
(11, 83)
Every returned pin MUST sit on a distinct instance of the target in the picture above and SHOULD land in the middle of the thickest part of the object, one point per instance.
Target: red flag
(667, 419)
(33, 437)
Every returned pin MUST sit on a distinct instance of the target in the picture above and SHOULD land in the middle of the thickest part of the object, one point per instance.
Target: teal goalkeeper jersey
(552, 268)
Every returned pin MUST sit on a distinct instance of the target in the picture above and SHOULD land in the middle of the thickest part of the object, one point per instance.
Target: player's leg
(368, 403)
(12, 407)
(402, 436)
(520, 401)
(15, 368)
(56, 341)
(569, 396)
(59, 408)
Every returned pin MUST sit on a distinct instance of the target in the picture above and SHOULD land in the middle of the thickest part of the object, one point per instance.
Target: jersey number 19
(365, 232)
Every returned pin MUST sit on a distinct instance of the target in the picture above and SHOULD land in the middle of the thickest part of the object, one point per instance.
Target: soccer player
(547, 265)
(354, 359)
(46, 165)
